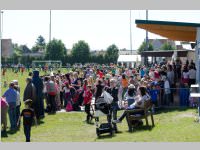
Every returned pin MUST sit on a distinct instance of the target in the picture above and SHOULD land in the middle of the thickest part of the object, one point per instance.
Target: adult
(39, 103)
(130, 94)
(139, 103)
(30, 91)
(192, 75)
(171, 78)
(11, 98)
(114, 104)
(4, 110)
(52, 91)
(185, 75)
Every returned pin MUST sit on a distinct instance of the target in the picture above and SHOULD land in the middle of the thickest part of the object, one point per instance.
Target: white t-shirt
(185, 75)
(192, 74)
(141, 99)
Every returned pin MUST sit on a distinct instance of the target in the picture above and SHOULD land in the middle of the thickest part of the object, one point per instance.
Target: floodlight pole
(131, 34)
(147, 41)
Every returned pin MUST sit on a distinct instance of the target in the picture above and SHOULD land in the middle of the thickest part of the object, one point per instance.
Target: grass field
(174, 125)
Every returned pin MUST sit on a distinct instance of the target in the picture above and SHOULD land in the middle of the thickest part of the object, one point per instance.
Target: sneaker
(116, 121)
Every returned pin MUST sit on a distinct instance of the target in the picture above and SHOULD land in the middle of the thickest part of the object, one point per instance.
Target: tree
(112, 54)
(81, 52)
(55, 50)
(167, 46)
(39, 44)
(143, 47)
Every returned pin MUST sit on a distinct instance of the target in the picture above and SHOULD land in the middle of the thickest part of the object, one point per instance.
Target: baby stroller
(103, 108)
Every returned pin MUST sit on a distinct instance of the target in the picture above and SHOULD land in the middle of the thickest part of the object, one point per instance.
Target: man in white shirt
(192, 75)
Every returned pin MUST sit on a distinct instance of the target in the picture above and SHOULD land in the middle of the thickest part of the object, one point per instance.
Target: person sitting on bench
(139, 103)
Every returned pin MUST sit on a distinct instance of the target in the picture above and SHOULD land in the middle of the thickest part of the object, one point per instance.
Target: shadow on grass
(105, 136)
(171, 109)
(140, 129)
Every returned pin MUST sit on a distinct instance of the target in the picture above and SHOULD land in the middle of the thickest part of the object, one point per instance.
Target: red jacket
(87, 97)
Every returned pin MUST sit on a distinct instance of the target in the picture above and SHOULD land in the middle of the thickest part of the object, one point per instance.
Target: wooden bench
(147, 112)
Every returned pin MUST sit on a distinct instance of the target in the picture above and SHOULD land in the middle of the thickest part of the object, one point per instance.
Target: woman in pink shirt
(4, 110)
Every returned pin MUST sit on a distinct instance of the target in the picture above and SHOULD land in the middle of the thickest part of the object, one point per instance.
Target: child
(28, 115)
(87, 102)
(154, 95)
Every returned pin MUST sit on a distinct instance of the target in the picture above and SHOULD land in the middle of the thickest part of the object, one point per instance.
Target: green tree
(81, 52)
(112, 54)
(55, 50)
(167, 46)
(39, 44)
(143, 47)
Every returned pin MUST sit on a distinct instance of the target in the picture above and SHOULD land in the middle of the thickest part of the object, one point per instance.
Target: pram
(102, 108)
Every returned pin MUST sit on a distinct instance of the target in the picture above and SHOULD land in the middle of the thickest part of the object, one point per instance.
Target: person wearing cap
(28, 115)
(11, 98)
(130, 94)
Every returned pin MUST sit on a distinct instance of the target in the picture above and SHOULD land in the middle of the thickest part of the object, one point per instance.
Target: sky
(99, 28)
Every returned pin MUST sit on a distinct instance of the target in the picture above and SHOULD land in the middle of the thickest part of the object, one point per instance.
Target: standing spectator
(124, 85)
(4, 110)
(114, 104)
(192, 75)
(185, 75)
(28, 116)
(30, 91)
(39, 103)
(87, 102)
(167, 91)
(11, 98)
(52, 91)
(170, 76)
(18, 104)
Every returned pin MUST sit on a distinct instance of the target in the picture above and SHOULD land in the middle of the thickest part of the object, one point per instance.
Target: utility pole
(147, 41)
(50, 28)
(131, 34)
(2, 25)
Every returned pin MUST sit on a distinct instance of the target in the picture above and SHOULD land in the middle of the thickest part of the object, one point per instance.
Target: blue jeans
(27, 132)
(12, 115)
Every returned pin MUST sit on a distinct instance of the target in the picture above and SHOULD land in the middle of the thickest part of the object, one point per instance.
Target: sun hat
(131, 86)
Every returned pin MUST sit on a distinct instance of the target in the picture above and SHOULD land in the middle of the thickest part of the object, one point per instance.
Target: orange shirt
(124, 83)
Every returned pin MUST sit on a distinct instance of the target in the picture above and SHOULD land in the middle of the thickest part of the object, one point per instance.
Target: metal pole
(2, 25)
(130, 34)
(147, 43)
(50, 28)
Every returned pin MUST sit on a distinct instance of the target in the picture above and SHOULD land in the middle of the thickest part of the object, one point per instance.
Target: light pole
(50, 28)
(2, 24)
(130, 33)
(147, 41)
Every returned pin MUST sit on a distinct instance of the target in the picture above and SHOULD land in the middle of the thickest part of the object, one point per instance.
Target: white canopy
(129, 58)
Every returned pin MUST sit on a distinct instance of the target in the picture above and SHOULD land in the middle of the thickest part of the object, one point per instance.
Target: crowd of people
(128, 86)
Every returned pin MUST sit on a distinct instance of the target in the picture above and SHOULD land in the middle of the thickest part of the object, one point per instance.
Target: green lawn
(176, 125)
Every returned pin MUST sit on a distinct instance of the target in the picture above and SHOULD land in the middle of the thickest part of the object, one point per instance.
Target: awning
(177, 31)
(129, 58)
(180, 53)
